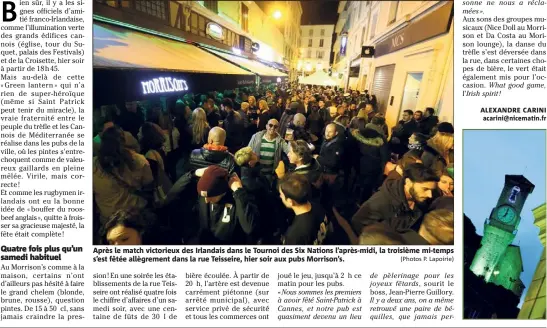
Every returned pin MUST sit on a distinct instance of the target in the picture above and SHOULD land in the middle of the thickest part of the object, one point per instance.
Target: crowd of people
(282, 165)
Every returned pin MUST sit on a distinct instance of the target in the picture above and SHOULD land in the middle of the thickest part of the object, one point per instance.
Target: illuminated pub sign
(215, 31)
(163, 85)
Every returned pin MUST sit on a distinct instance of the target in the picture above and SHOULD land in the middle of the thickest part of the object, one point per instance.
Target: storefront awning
(123, 48)
(252, 65)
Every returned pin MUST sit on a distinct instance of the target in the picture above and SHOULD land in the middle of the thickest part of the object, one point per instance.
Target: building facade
(412, 65)
(498, 261)
(315, 48)
(241, 27)
(292, 36)
(534, 301)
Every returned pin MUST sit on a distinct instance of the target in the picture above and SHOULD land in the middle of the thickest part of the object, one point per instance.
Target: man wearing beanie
(226, 211)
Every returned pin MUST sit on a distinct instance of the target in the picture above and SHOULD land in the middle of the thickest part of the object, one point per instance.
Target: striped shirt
(267, 152)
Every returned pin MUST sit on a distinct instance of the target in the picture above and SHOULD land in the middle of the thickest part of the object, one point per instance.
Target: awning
(132, 65)
(252, 65)
(275, 65)
(118, 47)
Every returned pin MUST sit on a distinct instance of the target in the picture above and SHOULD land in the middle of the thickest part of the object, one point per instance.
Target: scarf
(212, 147)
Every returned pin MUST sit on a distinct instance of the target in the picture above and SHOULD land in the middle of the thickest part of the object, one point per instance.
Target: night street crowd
(282, 165)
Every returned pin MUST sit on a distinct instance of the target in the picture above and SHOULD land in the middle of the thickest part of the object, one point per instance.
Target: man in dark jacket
(397, 203)
(330, 153)
(213, 152)
(212, 115)
(429, 121)
(226, 211)
(402, 132)
(234, 126)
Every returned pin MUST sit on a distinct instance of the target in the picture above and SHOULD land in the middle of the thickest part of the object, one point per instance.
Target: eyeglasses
(273, 126)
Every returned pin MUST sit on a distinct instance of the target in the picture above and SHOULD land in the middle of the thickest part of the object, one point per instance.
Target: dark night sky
(319, 12)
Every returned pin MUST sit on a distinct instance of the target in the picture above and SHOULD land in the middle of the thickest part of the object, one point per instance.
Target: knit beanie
(445, 127)
(213, 182)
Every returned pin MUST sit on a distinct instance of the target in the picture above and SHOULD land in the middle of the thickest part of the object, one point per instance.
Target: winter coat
(230, 221)
(235, 132)
(330, 155)
(390, 206)
(280, 146)
(213, 118)
(427, 124)
(204, 157)
(373, 152)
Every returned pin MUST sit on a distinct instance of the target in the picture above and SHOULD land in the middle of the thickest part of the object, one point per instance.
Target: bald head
(271, 128)
(217, 136)
(299, 120)
(331, 131)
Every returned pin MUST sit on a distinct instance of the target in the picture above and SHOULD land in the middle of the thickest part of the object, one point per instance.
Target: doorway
(381, 87)
(411, 92)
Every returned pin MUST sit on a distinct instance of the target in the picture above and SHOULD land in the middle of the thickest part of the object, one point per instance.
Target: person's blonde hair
(263, 105)
(199, 124)
(243, 156)
(244, 106)
(253, 102)
(438, 227)
(442, 143)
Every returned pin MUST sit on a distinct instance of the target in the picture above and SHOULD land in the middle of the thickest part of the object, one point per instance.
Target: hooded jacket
(207, 155)
(388, 205)
(373, 151)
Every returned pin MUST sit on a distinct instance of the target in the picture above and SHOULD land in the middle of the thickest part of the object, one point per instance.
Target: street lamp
(277, 14)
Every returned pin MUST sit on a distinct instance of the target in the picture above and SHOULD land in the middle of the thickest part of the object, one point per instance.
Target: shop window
(244, 18)
(322, 33)
(393, 12)
(373, 26)
(321, 43)
(211, 5)
(153, 8)
(310, 42)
